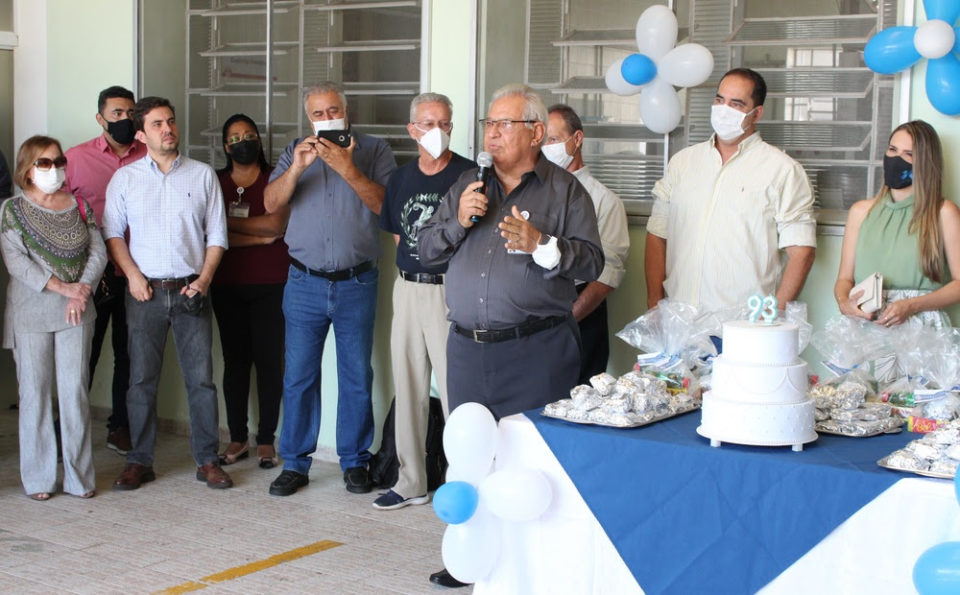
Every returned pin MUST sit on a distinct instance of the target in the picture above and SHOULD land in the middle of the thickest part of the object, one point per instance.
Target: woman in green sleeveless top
(908, 233)
(54, 253)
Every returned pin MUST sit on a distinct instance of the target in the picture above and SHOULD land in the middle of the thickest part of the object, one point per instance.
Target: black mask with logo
(245, 152)
(897, 173)
(122, 131)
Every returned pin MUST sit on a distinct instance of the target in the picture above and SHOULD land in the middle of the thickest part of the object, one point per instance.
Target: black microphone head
(485, 159)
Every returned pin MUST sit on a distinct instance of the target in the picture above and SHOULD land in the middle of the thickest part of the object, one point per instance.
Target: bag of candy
(846, 343)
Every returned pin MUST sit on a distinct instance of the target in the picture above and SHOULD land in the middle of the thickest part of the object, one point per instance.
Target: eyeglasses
(428, 125)
(502, 125)
(236, 138)
(45, 163)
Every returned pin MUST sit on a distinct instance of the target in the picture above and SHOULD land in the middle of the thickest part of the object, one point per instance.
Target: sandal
(40, 496)
(235, 451)
(267, 456)
(88, 495)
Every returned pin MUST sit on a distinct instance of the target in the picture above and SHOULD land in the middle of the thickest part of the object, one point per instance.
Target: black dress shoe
(357, 480)
(287, 483)
(445, 579)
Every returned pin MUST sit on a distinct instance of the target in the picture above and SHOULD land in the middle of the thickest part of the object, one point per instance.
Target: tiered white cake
(759, 389)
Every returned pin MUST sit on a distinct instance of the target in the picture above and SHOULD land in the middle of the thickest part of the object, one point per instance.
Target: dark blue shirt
(412, 197)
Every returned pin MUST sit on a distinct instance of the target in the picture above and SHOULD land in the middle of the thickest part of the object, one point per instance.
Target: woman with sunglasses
(54, 254)
(247, 293)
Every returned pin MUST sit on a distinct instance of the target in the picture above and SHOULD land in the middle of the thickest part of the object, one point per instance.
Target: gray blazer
(31, 307)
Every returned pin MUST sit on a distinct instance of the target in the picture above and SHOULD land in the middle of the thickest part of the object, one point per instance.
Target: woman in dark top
(248, 292)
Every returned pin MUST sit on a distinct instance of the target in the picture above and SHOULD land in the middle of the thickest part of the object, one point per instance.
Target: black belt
(342, 275)
(172, 283)
(431, 278)
(505, 334)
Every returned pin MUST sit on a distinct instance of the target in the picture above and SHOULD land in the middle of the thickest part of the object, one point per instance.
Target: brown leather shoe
(133, 475)
(215, 477)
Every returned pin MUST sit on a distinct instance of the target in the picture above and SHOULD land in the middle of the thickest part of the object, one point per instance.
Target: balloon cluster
(474, 501)
(937, 571)
(658, 68)
(898, 48)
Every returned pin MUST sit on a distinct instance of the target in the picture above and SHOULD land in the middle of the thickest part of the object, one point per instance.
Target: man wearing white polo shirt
(725, 210)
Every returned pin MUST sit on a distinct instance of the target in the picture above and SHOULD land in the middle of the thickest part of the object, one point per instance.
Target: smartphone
(338, 137)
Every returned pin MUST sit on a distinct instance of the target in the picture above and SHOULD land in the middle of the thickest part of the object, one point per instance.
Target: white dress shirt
(725, 222)
(172, 218)
(612, 222)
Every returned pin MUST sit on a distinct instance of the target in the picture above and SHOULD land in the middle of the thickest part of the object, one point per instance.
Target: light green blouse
(885, 244)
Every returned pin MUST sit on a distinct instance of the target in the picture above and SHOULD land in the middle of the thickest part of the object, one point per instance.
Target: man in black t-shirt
(418, 334)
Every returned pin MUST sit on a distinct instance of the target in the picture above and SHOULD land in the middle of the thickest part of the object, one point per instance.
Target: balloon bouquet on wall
(658, 68)
(474, 501)
(938, 40)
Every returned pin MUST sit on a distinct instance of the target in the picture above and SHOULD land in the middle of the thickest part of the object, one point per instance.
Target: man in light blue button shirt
(172, 208)
(335, 193)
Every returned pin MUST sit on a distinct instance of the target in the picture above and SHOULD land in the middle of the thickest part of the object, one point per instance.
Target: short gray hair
(533, 106)
(324, 87)
(429, 98)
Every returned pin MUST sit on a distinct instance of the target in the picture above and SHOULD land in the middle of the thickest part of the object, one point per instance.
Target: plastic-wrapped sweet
(902, 459)
(637, 379)
(559, 408)
(924, 451)
(821, 414)
(642, 402)
(585, 397)
(850, 395)
(616, 405)
(945, 407)
(859, 414)
(603, 382)
(626, 387)
(657, 388)
(822, 391)
(944, 466)
(953, 452)
(577, 414)
(947, 435)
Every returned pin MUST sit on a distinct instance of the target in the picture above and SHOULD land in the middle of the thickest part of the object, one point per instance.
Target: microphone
(485, 161)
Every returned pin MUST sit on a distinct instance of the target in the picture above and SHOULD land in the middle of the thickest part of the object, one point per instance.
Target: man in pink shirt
(90, 166)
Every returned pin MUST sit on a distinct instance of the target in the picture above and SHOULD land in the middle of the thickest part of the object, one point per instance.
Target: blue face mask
(897, 173)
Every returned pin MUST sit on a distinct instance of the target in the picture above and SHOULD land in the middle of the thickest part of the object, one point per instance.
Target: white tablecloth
(567, 551)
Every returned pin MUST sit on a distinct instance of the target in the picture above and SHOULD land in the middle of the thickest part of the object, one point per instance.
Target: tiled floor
(175, 534)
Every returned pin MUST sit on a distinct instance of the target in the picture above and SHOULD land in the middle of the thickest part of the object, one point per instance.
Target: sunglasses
(45, 163)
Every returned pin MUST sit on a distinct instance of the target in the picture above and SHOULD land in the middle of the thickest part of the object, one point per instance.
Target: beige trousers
(418, 345)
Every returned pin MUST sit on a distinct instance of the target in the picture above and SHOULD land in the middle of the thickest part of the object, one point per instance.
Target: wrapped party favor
(935, 454)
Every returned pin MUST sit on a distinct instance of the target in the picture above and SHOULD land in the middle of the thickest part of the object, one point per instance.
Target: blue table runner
(688, 518)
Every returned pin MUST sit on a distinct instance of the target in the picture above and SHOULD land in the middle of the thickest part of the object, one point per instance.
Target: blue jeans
(310, 305)
(148, 323)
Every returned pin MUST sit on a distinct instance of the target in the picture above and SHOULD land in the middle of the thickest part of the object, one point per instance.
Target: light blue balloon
(638, 69)
(937, 571)
(455, 502)
(891, 50)
(956, 485)
(956, 37)
(944, 10)
(943, 84)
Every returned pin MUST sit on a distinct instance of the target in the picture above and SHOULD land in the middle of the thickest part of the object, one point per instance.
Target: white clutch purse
(872, 298)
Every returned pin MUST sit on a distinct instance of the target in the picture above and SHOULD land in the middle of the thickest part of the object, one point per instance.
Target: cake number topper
(763, 307)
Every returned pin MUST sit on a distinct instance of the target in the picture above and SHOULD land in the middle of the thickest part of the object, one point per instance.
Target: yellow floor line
(238, 571)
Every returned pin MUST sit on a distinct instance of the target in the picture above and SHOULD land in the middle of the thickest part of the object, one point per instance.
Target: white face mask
(435, 142)
(48, 181)
(557, 153)
(338, 124)
(727, 122)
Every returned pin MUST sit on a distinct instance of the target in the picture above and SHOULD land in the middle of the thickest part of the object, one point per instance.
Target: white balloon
(934, 39)
(660, 107)
(686, 65)
(516, 493)
(453, 474)
(471, 549)
(616, 83)
(470, 441)
(656, 32)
